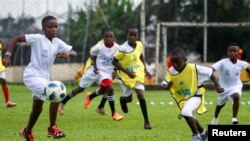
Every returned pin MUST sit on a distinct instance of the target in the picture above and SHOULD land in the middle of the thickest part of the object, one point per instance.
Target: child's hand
(114, 75)
(131, 74)
(63, 54)
(96, 71)
(219, 89)
(6, 61)
(167, 85)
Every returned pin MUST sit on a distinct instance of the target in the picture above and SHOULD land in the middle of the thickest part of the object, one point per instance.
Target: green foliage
(117, 15)
(80, 124)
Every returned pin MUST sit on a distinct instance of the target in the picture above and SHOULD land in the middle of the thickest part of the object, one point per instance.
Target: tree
(119, 15)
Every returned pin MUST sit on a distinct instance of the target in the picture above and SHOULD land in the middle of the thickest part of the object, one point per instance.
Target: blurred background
(203, 28)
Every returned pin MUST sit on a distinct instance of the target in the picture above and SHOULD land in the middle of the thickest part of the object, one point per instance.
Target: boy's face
(132, 35)
(50, 28)
(108, 38)
(233, 52)
(178, 61)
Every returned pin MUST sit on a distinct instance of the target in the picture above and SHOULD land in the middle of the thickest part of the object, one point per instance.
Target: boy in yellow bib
(131, 68)
(185, 83)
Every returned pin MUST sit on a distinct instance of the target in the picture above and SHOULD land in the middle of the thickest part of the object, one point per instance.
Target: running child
(185, 83)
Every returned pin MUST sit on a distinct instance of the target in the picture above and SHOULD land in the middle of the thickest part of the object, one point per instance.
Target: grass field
(86, 125)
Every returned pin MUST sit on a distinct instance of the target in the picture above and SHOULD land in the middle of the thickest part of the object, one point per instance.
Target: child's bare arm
(218, 88)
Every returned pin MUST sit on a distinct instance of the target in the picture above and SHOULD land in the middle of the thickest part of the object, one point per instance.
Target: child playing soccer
(3, 82)
(229, 78)
(185, 83)
(101, 71)
(88, 64)
(130, 63)
(44, 49)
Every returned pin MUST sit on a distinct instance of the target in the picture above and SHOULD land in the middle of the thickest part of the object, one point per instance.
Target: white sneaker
(10, 104)
(214, 121)
(235, 121)
(196, 138)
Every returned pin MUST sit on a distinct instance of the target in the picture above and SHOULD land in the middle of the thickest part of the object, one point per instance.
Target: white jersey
(43, 54)
(229, 72)
(204, 73)
(104, 57)
(125, 47)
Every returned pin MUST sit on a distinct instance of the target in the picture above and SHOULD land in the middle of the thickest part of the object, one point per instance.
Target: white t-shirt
(43, 54)
(104, 58)
(125, 47)
(151, 68)
(229, 73)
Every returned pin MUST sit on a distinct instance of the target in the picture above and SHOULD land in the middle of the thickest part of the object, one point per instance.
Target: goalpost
(162, 28)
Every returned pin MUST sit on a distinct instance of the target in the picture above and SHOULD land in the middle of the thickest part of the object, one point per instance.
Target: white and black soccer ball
(55, 91)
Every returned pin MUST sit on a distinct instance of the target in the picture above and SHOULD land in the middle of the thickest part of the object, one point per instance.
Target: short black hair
(106, 29)
(178, 51)
(46, 19)
(132, 27)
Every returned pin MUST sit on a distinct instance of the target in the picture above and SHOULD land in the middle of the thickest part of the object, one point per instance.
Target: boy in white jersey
(185, 83)
(100, 109)
(3, 82)
(101, 71)
(229, 78)
(130, 63)
(44, 49)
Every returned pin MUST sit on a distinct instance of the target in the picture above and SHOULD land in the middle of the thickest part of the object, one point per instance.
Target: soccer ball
(55, 91)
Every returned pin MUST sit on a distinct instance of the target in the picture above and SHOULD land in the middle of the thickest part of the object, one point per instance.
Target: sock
(6, 93)
(214, 120)
(66, 99)
(93, 95)
(143, 106)
(110, 98)
(234, 119)
(103, 101)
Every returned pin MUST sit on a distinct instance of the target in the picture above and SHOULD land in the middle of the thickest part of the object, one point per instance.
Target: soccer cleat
(147, 125)
(102, 111)
(87, 100)
(235, 121)
(61, 108)
(10, 104)
(27, 136)
(123, 104)
(196, 138)
(55, 132)
(117, 117)
(214, 121)
(204, 136)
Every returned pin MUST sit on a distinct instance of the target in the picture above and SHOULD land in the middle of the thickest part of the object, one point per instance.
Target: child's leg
(103, 101)
(68, 97)
(187, 112)
(100, 109)
(235, 108)
(191, 121)
(37, 107)
(143, 106)
(53, 113)
(53, 130)
(223, 98)
(5, 90)
(73, 93)
(236, 104)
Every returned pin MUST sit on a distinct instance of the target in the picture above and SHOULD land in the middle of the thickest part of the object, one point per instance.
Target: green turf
(86, 125)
